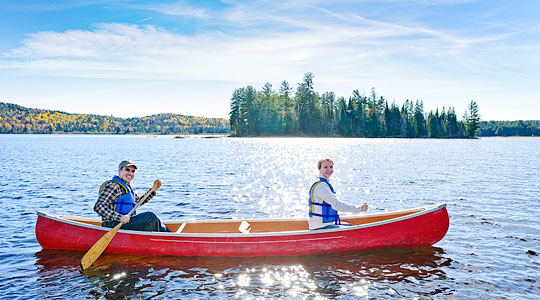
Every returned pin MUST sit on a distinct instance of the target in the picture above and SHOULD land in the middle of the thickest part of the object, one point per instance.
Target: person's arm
(150, 196)
(324, 193)
(104, 204)
(157, 182)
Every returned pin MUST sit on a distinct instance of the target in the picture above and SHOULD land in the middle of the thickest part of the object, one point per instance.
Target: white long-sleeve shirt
(322, 192)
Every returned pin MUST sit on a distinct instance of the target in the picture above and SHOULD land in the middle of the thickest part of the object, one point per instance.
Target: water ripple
(491, 188)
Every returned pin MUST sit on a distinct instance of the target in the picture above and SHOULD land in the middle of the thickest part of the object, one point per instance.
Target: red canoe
(257, 237)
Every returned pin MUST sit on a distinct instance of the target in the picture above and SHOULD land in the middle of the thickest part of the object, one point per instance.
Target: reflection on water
(365, 274)
(491, 188)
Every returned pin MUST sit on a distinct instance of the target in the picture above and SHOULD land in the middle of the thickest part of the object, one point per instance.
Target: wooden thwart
(179, 230)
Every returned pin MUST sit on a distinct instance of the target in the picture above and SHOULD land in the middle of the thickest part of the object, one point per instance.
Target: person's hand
(157, 184)
(364, 207)
(124, 219)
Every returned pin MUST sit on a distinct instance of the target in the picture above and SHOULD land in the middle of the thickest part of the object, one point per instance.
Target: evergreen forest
(510, 128)
(305, 112)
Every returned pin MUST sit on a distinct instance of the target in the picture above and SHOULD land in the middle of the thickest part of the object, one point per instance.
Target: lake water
(491, 187)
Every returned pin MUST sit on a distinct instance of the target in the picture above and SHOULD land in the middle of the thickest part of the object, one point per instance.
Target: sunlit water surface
(491, 187)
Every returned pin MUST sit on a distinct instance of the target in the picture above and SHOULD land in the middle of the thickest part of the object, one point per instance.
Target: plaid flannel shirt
(105, 203)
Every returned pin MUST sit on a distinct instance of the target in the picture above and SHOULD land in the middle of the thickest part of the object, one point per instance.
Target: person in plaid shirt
(117, 197)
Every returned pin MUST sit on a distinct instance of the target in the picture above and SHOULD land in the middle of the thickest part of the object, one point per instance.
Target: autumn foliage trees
(17, 119)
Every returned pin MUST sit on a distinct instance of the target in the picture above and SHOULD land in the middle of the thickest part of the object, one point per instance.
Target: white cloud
(262, 42)
(179, 8)
(127, 51)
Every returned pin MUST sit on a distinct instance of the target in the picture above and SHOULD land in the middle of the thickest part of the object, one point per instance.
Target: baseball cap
(126, 163)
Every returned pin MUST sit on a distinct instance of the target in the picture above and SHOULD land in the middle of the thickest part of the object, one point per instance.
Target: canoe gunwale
(420, 211)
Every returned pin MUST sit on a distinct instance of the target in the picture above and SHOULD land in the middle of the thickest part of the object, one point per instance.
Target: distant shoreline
(15, 119)
(223, 135)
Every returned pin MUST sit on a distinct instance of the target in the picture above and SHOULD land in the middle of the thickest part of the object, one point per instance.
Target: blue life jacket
(125, 202)
(328, 213)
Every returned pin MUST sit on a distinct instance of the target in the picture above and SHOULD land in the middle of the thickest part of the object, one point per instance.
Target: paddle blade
(92, 255)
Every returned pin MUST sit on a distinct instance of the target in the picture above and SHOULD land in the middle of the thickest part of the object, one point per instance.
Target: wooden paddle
(92, 255)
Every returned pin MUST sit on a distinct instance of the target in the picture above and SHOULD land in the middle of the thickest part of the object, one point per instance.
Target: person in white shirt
(324, 204)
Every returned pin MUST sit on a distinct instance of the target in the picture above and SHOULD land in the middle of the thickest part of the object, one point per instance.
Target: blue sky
(137, 58)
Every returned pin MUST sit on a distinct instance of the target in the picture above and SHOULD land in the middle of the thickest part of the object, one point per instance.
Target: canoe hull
(422, 229)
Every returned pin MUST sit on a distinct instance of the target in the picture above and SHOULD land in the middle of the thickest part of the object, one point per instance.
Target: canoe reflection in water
(399, 273)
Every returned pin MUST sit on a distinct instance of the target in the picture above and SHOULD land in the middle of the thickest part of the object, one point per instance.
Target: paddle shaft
(92, 255)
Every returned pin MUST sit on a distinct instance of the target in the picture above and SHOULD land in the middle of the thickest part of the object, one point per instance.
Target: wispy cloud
(123, 49)
(261, 42)
(179, 8)
(51, 5)
(143, 20)
(409, 49)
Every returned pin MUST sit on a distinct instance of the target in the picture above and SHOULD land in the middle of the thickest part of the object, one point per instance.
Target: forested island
(284, 113)
(18, 119)
(304, 112)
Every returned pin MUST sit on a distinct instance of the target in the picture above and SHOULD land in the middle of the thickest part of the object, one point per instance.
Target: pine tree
(407, 128)
(235, 117)
(250, 111)
(392, 120)
(308, 107)
(270, 120)
(344, 122)
(472, 120)
(419, 120)
(328, 119)
(290, 126)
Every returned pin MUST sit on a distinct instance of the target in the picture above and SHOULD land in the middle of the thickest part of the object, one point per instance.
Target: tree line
(510, 128)
(304, 112)
(18, 119)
